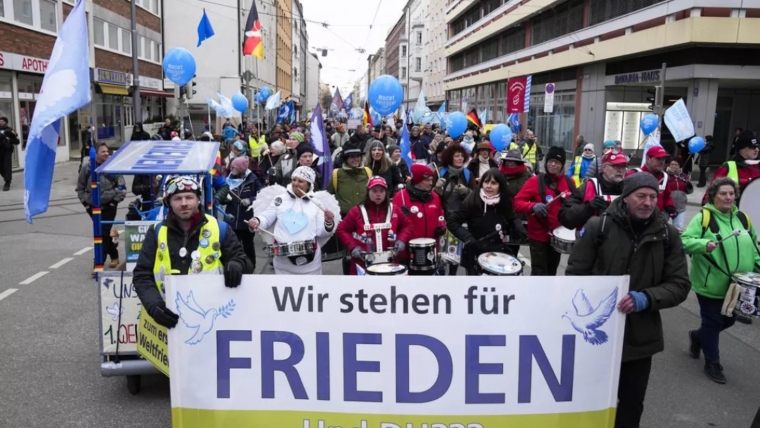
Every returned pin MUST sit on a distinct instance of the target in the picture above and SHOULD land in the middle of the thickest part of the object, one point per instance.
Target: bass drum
(750, 201)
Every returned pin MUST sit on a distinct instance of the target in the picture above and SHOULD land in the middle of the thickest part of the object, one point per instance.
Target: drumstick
(315, 202)
(736, 232)
(561, 195)
(270, 234)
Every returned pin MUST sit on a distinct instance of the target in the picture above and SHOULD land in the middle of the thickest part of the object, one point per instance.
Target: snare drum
(499, 264)
(287, 249)
(386, 269)
(563, 239)
(748, 301)
(422, 255)
(375, 258)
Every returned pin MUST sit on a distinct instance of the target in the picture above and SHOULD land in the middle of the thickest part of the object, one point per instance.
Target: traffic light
(655, 92)
(190, 88)
(182, 92)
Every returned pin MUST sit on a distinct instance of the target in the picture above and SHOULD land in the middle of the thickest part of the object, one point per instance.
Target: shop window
(22, 9)
(48, 13)
(100, 38)
(113, 37)
(126, 41)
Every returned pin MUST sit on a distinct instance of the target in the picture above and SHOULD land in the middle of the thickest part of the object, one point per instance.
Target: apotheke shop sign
(11, 61)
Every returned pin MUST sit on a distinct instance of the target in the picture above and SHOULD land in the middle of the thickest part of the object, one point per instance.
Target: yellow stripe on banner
(95, 211)
(196, 418)
(94, 185)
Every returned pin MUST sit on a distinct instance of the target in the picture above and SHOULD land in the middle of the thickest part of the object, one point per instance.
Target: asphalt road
(49, 355)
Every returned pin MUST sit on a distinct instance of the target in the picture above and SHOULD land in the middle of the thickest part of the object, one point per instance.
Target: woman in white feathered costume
(296, 214)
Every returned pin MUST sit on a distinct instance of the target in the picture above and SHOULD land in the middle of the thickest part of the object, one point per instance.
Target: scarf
(585, 156)
(489, 200)
(419, 195)
(513, 170)
(234, 183)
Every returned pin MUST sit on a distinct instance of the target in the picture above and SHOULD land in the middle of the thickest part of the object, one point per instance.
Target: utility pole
(135, 68)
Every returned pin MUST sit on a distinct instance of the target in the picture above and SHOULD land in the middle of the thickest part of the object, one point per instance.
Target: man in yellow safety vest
(531, 151)
(186, 242)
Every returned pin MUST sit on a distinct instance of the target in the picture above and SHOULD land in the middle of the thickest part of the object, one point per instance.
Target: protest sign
(152, 343)
(395, 352)
(134, 235)
(119, 312)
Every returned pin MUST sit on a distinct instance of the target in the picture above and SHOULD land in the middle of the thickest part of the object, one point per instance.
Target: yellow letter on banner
(153, 342)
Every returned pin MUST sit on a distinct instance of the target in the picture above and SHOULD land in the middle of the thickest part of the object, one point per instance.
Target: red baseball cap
(614, 157)
(657, 152)
(377, 181)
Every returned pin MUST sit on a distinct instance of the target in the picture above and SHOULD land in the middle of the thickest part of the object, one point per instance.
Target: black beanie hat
(303, 148)
(746, 139)
(556, 153)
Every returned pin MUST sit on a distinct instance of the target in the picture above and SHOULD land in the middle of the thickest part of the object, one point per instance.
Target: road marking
(82, 251)
(7, 293)
(33, 278)
(61, 263)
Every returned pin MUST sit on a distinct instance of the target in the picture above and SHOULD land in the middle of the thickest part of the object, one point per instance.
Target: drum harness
(377, 227)
(708, 222)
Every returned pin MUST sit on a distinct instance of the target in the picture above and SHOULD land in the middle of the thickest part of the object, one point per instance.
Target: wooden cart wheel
(133, 384)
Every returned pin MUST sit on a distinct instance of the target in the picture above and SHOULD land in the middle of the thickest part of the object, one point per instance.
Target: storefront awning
(105, 88)
(154, 93)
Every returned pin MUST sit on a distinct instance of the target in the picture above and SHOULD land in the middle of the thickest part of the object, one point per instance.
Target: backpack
(709, 222)
(335, 176)
(467, 173)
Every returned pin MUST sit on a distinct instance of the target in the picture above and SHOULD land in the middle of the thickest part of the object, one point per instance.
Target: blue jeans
(678, 221)
(712, 324)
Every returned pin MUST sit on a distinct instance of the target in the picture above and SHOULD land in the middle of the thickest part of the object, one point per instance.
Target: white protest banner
(679, 122)
(354, 123)
(119, 313)
(395, 352)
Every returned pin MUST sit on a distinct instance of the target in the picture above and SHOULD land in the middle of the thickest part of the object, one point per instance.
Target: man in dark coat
(632, 238)
(138, 133)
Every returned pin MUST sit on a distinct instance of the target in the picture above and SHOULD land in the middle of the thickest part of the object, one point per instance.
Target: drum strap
(377, 227)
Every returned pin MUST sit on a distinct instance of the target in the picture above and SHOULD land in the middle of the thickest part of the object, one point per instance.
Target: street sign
(549, 98)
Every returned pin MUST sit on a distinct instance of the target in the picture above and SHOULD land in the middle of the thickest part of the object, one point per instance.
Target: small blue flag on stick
(204, 28)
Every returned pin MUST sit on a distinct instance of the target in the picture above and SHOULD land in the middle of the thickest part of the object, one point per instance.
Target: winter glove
(245, 202)
(441, 183)
(440, 231)
(540, 210)
(163, 316)
(598, 204)
(640, 300)
(356, 253)
(233, 274)
(461, 190)
(671, 212)
(399, 246)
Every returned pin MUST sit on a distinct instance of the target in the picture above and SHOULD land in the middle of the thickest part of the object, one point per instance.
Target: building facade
(603, 56)
(284, 82)
(396, 50)
(416, 60)
(436, 34)
(298, 84)
(375, 66)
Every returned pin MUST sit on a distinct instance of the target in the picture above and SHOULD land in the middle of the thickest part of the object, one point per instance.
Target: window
(418, 65)
(100, 38)
(403, 51)
(126, 41)
(157, 55)
(113, 37)
(22, 9)
(156, 6)
(2, 9)
(419, 37)
(403, 72)
(563, 19)
(604, 10)
(48, 13)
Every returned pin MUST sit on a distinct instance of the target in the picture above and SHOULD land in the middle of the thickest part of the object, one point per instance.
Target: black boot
(695, 344)
(714, 372)
(7, 186)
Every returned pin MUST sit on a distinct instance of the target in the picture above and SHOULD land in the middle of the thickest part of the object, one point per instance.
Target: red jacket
(354, 223)
(424, 217)
(745, 172)
(678, 182)
(663, 197)
(540, 228)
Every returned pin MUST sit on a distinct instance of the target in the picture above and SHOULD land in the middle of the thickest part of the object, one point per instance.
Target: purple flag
(321, 146)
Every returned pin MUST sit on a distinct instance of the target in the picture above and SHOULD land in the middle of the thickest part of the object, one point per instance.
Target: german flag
(252, 43)
(367, 117)
(218, 168)
(473, 118)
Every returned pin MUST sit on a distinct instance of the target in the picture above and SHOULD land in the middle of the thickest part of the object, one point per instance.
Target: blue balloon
(257, 98)
(385, 94)
(240, 102)
(649, 123)
(265, 93)
(696, 144)
(501, 136)
(179, 66)
(456, 124)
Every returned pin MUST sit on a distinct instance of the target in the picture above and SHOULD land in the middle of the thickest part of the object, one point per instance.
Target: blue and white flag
(514, 120)
(285, 114)
(321, 145)
(205, 31)
(483, 115)
(65, 89)
(273, 102)
(441, 113)
(348, 102)
(406, 145)
(292, 112)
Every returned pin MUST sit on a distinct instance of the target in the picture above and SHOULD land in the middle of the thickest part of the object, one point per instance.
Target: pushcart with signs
(119, 304)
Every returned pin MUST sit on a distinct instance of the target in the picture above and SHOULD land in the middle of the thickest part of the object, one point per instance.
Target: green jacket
(352, 187)
(709, 272)
(654, 259)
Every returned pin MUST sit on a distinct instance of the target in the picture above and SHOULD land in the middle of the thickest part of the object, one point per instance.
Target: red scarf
(513, 170)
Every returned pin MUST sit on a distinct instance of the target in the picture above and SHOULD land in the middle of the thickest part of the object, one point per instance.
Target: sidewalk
(65, 177)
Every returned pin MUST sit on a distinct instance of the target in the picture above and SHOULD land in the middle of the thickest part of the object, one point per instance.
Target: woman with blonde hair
(380, 164)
